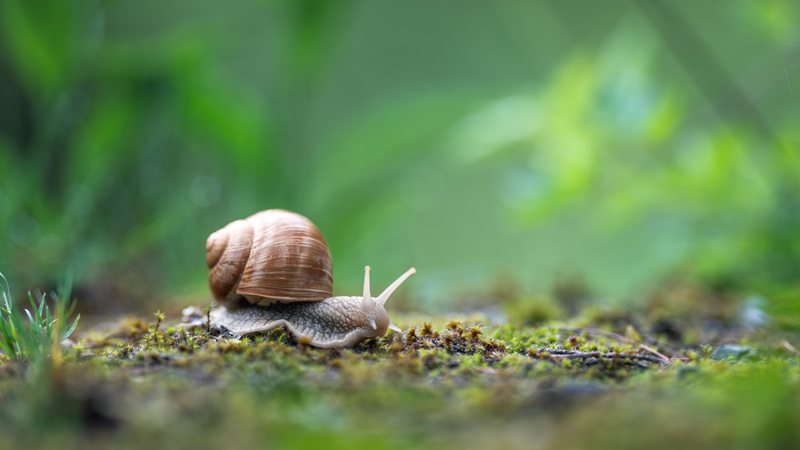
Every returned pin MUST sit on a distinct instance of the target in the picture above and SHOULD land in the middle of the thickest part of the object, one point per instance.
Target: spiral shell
(271, 255)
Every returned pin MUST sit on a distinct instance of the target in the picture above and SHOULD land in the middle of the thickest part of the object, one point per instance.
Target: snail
(273, 269)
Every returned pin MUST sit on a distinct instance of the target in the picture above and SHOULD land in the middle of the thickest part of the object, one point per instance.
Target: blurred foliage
(622, 141)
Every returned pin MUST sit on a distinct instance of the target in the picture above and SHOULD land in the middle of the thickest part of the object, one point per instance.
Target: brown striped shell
(271, 255)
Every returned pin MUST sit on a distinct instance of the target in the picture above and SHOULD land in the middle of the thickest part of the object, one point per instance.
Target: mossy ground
(604, 380)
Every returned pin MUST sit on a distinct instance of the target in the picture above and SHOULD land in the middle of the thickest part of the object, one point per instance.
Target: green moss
(443, 383)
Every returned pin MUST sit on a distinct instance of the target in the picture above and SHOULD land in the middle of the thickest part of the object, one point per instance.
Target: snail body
(273, 269)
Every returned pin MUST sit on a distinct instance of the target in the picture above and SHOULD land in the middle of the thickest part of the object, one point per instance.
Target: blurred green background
(498, 147)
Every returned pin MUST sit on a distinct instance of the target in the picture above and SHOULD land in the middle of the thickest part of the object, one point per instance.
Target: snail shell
(271, 255)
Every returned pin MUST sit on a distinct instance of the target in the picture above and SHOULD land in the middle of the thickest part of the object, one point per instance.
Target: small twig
(624, 340)
(647, 348)
(569, 354)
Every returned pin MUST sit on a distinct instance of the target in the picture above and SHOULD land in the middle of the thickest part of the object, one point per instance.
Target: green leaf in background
(518, 143)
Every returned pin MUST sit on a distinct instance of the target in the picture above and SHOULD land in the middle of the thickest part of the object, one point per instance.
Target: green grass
(32, 332)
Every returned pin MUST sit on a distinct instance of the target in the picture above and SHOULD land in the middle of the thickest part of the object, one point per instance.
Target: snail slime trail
(273, 269)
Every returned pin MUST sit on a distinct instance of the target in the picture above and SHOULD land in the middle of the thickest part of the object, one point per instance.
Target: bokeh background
(505, 149)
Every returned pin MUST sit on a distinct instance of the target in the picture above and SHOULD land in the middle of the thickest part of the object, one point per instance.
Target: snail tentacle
(395, 284)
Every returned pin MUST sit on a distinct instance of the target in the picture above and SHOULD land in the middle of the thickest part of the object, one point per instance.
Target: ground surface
(604, 380)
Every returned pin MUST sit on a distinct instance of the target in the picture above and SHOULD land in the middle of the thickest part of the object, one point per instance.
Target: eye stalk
(381, 299)
(367, 295)
(392, 287)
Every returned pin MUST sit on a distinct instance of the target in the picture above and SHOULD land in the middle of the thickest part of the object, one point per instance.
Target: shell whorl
(271, 255)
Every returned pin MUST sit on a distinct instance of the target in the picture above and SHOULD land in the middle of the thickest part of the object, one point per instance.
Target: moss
(424, 386)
